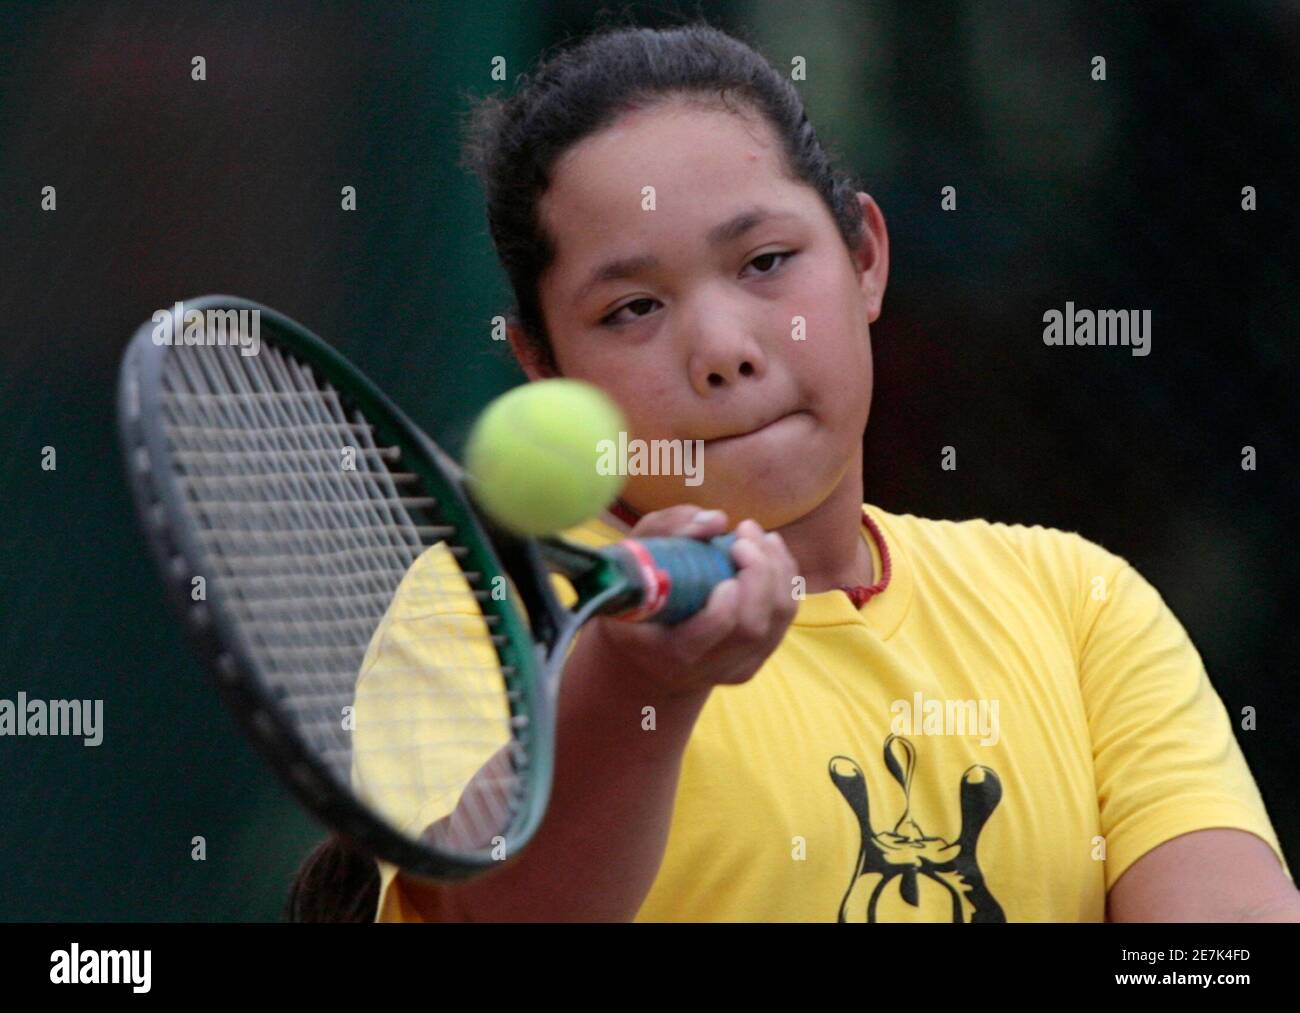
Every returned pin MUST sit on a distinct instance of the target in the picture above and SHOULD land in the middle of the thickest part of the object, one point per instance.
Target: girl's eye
(646, 303)
(767, 263)
(764, 264)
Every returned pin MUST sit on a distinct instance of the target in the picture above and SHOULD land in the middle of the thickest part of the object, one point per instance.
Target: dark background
(1117, 194)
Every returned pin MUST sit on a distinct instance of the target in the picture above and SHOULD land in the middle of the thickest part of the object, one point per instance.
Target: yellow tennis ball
(535, 460)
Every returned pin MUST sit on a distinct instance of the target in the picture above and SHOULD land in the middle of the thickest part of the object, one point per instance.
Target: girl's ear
(530, 356)
(871, 258)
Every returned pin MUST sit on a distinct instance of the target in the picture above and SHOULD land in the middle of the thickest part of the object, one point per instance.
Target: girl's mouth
(752, 432)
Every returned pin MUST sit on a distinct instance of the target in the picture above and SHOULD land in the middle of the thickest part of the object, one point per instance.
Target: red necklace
(859, 594)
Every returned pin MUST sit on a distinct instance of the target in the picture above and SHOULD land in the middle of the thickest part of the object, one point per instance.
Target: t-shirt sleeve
(403, 900)
(1165, 758)
(432, 645)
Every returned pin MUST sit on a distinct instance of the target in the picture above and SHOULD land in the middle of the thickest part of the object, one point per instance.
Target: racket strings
(309, 527)
(238, 535)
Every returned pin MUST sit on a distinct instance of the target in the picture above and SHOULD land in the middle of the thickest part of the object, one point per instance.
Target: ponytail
(337, 882)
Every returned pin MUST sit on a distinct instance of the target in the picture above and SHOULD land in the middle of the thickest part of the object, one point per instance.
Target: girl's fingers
(711, 625)
(665, 522)
(707, 524)
(782, 569)
(754, 604)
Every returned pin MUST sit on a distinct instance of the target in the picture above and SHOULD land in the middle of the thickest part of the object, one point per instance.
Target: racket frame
(214, 633)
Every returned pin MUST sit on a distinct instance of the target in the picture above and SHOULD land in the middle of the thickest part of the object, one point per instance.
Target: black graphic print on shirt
(906, 855)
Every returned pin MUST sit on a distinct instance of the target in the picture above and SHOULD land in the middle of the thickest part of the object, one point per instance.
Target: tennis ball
(532, 456)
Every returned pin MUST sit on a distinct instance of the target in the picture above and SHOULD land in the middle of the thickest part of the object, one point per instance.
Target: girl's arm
(599, 847)
(602, 840)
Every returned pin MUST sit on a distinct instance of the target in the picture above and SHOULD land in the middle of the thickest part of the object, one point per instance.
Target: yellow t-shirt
(998, 735)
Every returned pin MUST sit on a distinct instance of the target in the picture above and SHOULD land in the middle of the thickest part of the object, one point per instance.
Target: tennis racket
(286, 500)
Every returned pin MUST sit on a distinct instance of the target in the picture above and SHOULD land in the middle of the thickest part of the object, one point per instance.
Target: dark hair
(337, 882)
(512, 145)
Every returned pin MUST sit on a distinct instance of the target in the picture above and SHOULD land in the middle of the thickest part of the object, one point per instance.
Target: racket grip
(676, 575)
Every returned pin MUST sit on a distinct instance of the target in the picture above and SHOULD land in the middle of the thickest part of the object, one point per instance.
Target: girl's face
(721, 305)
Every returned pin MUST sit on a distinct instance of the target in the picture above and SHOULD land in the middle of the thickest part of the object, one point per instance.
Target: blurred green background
(1123, 193)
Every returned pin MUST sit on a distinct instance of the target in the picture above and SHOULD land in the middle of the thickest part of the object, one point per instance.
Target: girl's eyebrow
(725, 232)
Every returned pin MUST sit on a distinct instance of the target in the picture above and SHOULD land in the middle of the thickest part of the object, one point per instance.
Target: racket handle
(675, 575)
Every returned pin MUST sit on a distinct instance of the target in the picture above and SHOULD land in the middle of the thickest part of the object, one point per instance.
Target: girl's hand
(728, 640)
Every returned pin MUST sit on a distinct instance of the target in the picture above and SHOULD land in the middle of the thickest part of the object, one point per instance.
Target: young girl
(883, 717)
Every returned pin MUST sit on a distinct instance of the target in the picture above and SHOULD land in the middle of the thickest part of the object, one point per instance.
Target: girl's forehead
(667, 158)
(666, 135)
